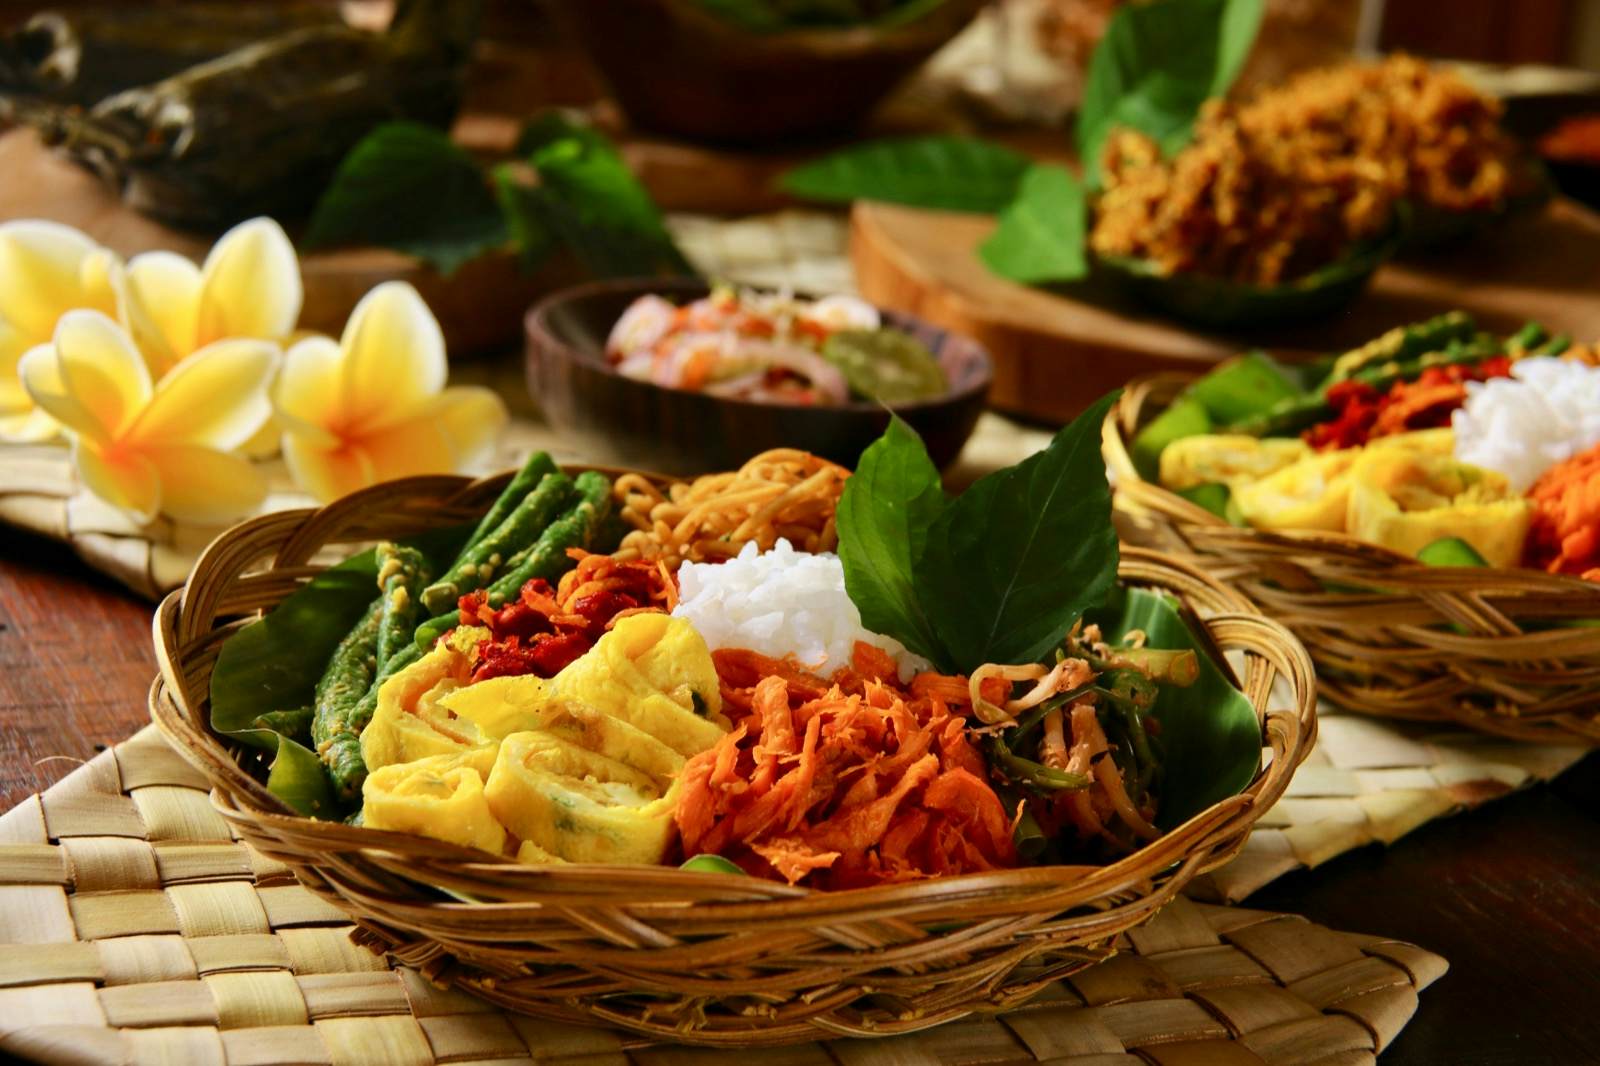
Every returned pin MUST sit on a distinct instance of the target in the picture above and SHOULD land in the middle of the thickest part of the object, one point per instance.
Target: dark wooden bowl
(616, 419)
(679, 70)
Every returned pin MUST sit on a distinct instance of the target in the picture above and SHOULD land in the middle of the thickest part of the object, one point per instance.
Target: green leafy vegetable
(1451, 551)
(1017, 558)
(1239, 388)
(1186, 417)
(408, 187)
(1040, 237)
(1216, 498)
(588, 200)
(272, 665)
(711, 864)
(946, 173)
(1209, 731)
(998, 574)
(884, 516)
(1157, 63)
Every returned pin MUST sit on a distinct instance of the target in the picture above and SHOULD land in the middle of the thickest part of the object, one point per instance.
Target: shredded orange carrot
(855, 780)
(1565, 536)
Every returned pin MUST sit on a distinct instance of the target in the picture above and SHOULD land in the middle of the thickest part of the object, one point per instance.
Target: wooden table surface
(1510, 894)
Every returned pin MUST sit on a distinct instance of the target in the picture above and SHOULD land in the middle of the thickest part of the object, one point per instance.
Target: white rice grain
(1546, 412)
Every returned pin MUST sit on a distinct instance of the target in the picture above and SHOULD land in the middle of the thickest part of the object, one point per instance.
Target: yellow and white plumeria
(46, 270)
(149, 446)
(160, 372)
(375, 406)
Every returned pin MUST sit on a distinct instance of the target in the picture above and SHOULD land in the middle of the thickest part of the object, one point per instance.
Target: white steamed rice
(1547, 411)
(782, 602)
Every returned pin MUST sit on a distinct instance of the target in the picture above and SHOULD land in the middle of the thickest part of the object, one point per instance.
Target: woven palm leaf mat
(134, 929)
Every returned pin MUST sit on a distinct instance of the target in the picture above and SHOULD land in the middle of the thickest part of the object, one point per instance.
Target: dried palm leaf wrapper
(260, 129)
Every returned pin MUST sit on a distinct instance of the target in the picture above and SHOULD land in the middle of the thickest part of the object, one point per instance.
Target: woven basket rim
(267, 808)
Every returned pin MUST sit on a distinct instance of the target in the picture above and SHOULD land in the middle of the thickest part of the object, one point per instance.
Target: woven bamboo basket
(1390, 636)
(698, 958)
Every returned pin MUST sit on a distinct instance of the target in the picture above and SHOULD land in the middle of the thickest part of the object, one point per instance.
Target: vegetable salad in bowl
(788, 671)
(773, 347)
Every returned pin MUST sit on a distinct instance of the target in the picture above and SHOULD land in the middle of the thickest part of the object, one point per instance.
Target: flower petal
(471, 417)
(393, 357)
(40, 262)
(325, 472)
(204, 485)
(166, 289)
(215, 398)
(414, 446)
(124, 479)
(307, 394)
(30, 427)
(250, 285)
(101, 369)
(40, 374)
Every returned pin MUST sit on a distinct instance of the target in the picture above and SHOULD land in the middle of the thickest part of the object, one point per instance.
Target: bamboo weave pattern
(135, 929)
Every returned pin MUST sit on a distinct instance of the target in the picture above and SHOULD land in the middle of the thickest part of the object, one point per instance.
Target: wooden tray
(1056, 352)
(134, 929)
(479, 307)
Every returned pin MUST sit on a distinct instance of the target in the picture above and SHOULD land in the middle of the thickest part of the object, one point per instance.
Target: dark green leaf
(1451, 551)
(887, 509)
(588, 199)
(946, 173)
(1209, 732)
(711, 864)
(1157, 63)
(1185, 418)
(1214, 497)
(1040, 237)
(298, 778)
(530, 234)
(1015, 560)
(408, 187)
(268, 671)
(1249, 385)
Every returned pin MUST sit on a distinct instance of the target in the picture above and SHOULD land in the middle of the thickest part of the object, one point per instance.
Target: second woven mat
(134, 929)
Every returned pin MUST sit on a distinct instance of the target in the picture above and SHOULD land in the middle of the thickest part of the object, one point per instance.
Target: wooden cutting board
(1058, 350)
(480, 307)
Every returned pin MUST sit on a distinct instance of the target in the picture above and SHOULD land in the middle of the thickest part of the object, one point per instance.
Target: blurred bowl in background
(614, 419)
(677, 69)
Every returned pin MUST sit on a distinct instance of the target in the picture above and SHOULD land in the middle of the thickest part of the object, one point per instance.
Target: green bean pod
(491, 556)
(401, 574)
(342, 752)
(348, 674)
(547, 558)
(525, 481)
(430, 631)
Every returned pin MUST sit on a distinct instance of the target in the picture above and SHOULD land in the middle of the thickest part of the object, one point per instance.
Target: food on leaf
(410, 722)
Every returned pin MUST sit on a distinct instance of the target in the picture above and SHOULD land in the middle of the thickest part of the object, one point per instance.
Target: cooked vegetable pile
(773, 347)
(577, 706)
(1436, 440)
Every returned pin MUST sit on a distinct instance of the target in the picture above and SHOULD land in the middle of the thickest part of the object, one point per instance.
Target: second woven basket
(1492, 649)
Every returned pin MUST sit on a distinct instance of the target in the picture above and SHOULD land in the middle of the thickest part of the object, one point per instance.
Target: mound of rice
(782, 602)
(1546, 412)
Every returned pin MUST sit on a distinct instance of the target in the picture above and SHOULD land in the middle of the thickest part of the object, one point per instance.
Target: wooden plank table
(1510, 894)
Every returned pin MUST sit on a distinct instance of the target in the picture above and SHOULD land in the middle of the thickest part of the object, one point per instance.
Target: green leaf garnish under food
(997, 575)
(888, 506)
(1247, 385)
(1209, 731)
(941, 172)
(1451, 551)
(1216, 498)
(1157, 63)
(408, 187)
(1040, 236)
(1186, 417)
(711, 864)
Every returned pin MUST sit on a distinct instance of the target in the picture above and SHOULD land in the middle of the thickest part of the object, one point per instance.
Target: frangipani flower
(46, 270)
(249, 286)
(374, 406)
(155, 447)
